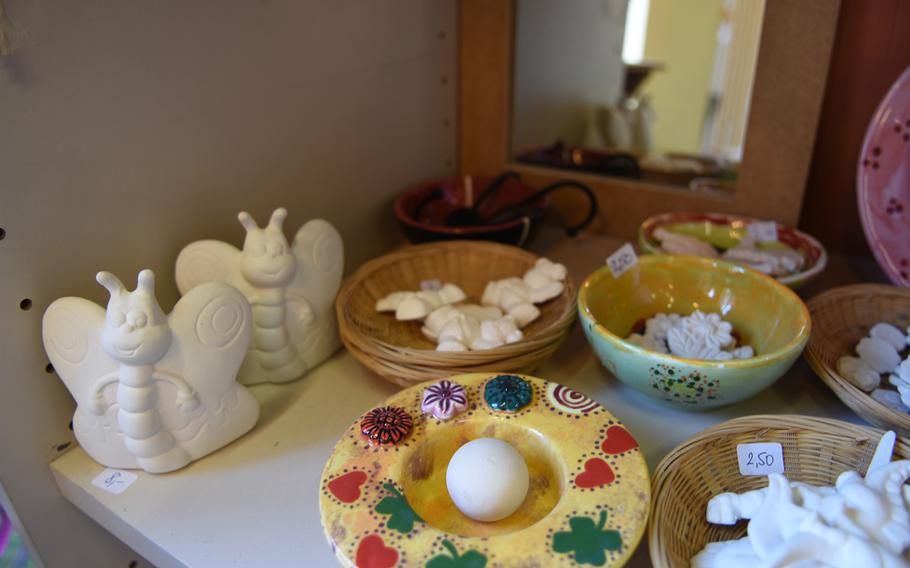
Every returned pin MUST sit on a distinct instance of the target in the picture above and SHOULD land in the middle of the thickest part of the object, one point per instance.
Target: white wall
(568, 59)
(128, 129)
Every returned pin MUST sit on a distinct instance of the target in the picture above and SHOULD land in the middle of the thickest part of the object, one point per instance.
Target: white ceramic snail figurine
(291, 288)
(153, 391)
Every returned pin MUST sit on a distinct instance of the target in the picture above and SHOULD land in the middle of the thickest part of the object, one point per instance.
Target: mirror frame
(796, 41)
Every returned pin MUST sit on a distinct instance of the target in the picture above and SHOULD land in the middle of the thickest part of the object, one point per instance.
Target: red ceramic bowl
(423, 218)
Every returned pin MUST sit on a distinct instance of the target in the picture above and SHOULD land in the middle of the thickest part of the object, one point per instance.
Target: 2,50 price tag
(760, 459)
(621, 260)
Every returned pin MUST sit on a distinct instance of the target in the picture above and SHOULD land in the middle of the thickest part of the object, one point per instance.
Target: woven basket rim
(754, 424)
(553, 331)
(859, 401)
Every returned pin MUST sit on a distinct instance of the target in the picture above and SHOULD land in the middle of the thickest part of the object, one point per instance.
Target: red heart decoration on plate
(597, 472)
(618, 440)
(373, 553)
(346, 488)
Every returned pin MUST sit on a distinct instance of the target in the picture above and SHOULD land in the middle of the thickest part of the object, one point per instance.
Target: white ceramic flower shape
(701, 336)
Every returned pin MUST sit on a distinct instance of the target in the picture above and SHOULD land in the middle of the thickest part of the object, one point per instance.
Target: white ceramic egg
(487, 479)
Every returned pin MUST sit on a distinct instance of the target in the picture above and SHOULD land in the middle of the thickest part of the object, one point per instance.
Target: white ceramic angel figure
(153, 391)
(291, 288)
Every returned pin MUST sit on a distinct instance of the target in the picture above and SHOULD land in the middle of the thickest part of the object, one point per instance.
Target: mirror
(651, 90)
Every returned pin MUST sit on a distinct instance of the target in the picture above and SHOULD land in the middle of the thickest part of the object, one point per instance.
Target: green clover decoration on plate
(401, 515)
(587, 540)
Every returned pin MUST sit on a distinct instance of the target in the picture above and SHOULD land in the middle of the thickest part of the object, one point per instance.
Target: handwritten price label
(760, 459)
(622, 260)
(114, 481)
(764, 232)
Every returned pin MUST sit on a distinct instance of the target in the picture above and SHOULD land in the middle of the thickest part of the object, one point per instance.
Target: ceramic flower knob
(444, 400)
(507, 393)
(386, 425)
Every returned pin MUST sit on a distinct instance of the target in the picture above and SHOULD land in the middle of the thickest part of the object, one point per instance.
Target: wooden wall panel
(871, 49)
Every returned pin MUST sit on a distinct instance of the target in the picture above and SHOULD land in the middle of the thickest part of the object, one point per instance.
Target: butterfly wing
(319, 251)
(209, 261)
(71, 330)
(212, 328)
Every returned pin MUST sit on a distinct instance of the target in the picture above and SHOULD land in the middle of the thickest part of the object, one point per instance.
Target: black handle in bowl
(517, 210)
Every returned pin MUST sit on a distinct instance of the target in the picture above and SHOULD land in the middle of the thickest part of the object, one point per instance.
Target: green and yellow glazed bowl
(765, 314)
(724, 231)
(387, 505)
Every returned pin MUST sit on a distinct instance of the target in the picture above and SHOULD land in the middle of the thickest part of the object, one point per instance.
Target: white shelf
(255, 503)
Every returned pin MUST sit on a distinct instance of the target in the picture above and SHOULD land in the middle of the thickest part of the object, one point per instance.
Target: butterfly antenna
(247, 221)
(146, 281)
(277, 219)
(111, 282)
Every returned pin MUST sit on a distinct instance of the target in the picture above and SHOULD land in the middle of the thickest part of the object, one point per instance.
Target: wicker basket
(399, 352)
(840, 318)
(816, 451)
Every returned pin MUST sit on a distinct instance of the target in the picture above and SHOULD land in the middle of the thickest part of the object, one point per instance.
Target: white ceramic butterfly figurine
(292, 290)
(153, 391)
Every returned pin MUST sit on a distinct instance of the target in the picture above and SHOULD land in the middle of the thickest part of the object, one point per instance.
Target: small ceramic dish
(422, 211)
(841, 317)
(764, 313)
(724, 231)
(388, 505)
(815, 451)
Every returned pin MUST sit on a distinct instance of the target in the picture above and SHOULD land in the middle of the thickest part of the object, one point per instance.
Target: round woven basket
(840, 318)
(399, 352)
(816, 451)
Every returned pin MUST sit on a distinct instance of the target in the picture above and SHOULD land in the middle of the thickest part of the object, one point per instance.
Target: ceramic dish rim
(652, 222)
(875, 124)
(795, 344)
(403, 217)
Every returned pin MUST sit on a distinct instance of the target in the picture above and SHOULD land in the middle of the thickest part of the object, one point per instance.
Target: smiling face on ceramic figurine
(266, 261)
(136, 331)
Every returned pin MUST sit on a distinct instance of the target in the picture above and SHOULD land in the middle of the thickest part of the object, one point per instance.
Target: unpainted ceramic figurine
(291, 289)
(696, 336)
(153, 391)
(861, 521)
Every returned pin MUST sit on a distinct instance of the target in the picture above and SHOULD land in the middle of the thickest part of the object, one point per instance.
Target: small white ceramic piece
(444, 400)
(861, 521)
(517, 296)
(677, 243)
(776, 262)
(291, 289)
(417, 305)
(153, 391)
(696, 336)
(487, 479)
(859, 373)
(889, 333)
(878, 354)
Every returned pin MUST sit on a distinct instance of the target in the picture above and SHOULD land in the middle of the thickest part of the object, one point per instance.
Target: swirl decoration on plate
(386, 425)
(444, 400)
(569, 400)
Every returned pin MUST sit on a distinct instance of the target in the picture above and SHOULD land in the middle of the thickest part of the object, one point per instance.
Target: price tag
(114, 480)
(764, 232)
(760, 459)
(622, 260)
(430, 285)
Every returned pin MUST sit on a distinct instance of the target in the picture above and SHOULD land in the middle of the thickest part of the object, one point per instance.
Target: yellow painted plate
(588, 498)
